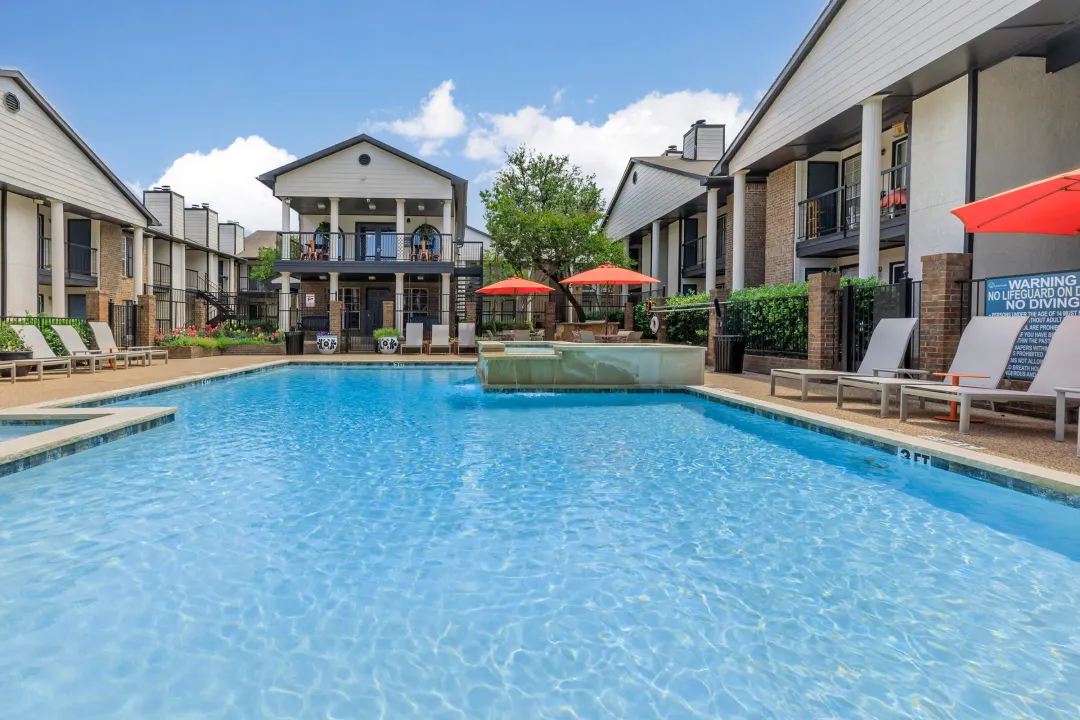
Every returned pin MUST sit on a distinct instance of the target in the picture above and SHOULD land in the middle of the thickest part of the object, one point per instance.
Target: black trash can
(729, 351)
(294, 343)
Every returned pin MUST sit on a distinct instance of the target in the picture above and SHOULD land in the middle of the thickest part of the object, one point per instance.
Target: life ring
(654, 323)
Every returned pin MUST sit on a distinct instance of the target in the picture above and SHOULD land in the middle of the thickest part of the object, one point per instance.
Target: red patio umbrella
(609, 275)
(1046, 207)
(515, 286)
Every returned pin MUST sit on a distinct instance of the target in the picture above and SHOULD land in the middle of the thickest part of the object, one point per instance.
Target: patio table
(953, 416)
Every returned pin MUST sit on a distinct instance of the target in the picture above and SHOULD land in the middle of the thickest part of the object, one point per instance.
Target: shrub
(608, 315)
(220, 336)
(10, 341)
(689, 327)
(385, 333)
(43, 322)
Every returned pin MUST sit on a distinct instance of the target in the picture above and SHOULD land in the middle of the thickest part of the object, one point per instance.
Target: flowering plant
(230, 332)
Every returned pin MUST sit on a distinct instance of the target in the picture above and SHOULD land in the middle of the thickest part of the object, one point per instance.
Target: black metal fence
(379, 246)
(498, 314)
(862, 306)
(771, 326)
(124, 321)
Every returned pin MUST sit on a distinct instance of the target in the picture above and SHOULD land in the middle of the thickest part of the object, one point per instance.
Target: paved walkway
(1012, 436)
(56, 387)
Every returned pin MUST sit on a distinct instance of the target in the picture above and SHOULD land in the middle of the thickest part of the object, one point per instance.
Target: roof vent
(166, 188)
(11, 102)
(206, 206)
(700, 122)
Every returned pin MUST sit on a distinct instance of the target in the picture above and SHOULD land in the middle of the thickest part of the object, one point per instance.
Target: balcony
(162, 275)
(827, 225)
(363, 249)
(251, 285)
(82, 263)
(194, 280)
(693, 257)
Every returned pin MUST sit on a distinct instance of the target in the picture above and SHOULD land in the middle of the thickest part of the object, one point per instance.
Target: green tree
(543, 215)
(263, 267)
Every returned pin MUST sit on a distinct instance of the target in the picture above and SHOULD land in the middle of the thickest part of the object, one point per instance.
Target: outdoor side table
(1059, 415)
(953, 416)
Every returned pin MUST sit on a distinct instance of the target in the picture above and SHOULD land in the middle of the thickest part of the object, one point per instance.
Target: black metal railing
(838, 210)
(500, 315)
(162, 275)
(249, 284)
(771, 326)
(894, 191)
(694, 253)
(381, 247)
(44, 323)
(44, 253)
(820, 215)
(82, 260)
(195, 280)
(124, 321)
(863, 306)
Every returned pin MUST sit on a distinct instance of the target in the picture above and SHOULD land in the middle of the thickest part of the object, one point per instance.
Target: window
(689, 289)
(425, 243)
(897, 271)
(853, 170)
(416, 301)
(721, 237)
(40, 304)
(127, 256)
(899, 157)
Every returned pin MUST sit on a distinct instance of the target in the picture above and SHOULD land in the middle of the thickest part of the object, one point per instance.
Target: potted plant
(326, 343)
(387, 340)
(13, 348)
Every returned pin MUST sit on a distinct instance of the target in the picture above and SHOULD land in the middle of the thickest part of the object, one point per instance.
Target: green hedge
(690, 327)
(43, 322)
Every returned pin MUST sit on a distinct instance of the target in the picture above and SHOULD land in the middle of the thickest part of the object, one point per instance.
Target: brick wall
(147, 320)
(941, 320)
(763, 364)
(756, 194)
(110, 265)
(729, 243)
(780, 226)
(824, 326)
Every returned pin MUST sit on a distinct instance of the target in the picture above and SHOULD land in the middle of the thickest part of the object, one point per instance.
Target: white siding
(230, 238)
(36, 156)
(212, 229)
(179, 279)
(869, 45)
(656, 193)
(476, 236)
(1029, 129)
(21, 232)
(160, 204)
(710, 143)
(341, 175)
(938, 173)
(195, 225)
(689, 145)
(177, 216)
(239, 239)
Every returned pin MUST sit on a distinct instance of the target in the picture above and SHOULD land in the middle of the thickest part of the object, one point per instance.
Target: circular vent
(635, 178)
(365, 159)
(11, 102)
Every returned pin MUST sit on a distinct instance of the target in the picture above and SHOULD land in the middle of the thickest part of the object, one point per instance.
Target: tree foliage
(543, 215)
(263, 267)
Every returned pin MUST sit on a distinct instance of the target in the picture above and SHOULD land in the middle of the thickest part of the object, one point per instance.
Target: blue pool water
(365, 543)
(11, 431)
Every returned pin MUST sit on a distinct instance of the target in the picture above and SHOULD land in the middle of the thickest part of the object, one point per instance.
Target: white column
(646, 256)
(399, 299)
(149, 263)
(444, 300)
(284, 301)
(403, 251)
(738, 239)
(335, 221)
(870, 191)
(712, 201)
(673, 260)
(334, 286)
(447, 221)
(286, 226)
(137, 241)
(656, 255)
(59, 262)
(625, 288)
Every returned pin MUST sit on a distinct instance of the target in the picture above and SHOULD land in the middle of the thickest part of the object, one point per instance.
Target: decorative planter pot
(388, 345)
(326, 343)
(9, 355)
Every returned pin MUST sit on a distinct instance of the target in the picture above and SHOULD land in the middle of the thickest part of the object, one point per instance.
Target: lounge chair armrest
(901, 371)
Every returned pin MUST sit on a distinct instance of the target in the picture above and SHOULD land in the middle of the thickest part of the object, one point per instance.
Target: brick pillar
(549, 318)
(388, 314)
(823, 342)
(337, 307)
(628, 316)
(710, 339)
(199, 313)
(97, 306)
(147, 320)
(941, 320)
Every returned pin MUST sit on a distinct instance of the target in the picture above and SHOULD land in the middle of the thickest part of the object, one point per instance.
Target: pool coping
(93, 422)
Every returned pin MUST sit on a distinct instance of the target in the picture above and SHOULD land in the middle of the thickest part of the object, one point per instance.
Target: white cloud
(226, 179)
(437, 120)
(644, 127)
(559, 95)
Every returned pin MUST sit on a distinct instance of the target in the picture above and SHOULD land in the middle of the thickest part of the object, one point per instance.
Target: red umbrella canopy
(515, 286)
(1046, 207)
(609, 275)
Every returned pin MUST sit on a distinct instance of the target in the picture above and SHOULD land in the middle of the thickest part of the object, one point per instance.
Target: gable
(340, 174)
(37, 156)
(868, 46)
(656, 193)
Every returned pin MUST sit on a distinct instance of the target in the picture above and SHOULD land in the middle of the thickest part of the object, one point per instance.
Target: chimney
(673, 151)
(703, 142)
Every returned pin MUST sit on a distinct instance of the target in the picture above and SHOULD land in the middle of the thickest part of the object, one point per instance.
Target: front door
(373, 309)
(351, 306)
(375, 241)
(821, 178)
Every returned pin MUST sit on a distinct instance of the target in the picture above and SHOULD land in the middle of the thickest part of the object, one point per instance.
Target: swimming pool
(339, 542)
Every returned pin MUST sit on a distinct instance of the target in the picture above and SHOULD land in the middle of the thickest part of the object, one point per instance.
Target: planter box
(194, 351)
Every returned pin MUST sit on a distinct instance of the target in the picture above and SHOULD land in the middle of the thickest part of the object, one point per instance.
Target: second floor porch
(378, 249)
(827, 223)
(81, 262)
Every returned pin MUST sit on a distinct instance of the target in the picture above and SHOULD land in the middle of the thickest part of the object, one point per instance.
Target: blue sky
(132, 81)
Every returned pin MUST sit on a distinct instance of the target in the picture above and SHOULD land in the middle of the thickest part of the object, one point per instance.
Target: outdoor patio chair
(634, 336)
(985, 349)
(522, 336)
(1059, 367)
(43, 356)
(440, 338)
(888, 344)
(466, 337)
(103, 336)
(414, 338)
(586, 336)
(9, 368)
(96, 359)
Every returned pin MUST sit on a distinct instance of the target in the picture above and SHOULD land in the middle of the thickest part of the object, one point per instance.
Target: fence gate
(123, 319)
(862, 306)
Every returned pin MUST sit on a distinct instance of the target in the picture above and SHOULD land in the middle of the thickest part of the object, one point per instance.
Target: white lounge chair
(586, 336)
(1060, 368)
(885, 354)
(9, 368)
(466, 337)
(44, 358)
(440, 338)
(414, 338)
(985, 349)
(96, 359)
(106, 342)
(521, 335)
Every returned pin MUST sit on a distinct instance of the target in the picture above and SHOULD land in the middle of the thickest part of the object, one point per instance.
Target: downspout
(3, 253)
(972, 149)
